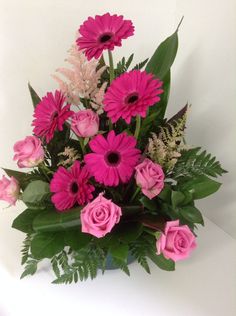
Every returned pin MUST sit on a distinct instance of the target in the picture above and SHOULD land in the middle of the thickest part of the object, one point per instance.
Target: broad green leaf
(75, 239)
(200, 187)
(129, 231)
(35, 192)
(18, 175)
(120, 252)
(51, 220)
(35, 98)
(165, 194)
(192, 214)
(149, 204)
(177, 198)
(164, 56)
(46, 245)
(23, 222)
(162, 262)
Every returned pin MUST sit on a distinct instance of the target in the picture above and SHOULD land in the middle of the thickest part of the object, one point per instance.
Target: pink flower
(103, 32)
(9, 190)
(131, 94)
(71, 186)
(50, 115)
(29, 152)
(113, 158)
(100, 216)
(177, 241)
(85, 123)
(150, 177)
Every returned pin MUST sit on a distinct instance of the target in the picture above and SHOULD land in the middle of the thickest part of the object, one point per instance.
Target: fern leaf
(30, 268)
(140, 65)
(194, 163)
(26, 249)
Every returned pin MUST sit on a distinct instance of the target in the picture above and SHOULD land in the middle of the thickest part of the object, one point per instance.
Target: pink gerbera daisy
(113, 159)
(103, 32)
(131, 94)
(50, 115)
(71, 186)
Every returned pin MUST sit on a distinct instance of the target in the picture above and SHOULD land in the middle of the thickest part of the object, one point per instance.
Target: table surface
(203, 285)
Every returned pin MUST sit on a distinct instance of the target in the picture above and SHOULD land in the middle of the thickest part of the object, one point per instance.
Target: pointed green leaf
(24, 220)
(177, 197)
(35, 192)
(75, 239)
(162, 262)
(191, 214)
(18, 175)
(46, 245)
(34, 96)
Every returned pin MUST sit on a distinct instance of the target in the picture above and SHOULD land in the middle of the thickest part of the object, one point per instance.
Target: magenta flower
(113, 159)
(100, 216)
(103, 32)
(70, 187)
(131, 94)
(50, 115)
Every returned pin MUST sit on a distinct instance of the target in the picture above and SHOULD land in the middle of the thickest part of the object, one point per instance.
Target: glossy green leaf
(162, 262)
(34, 96)
(46, 245)
(164, 56)
(75, 239)
(120, 252)
(165, 194)
(177, 198)
(23, 222)
(35, 192)
(149, 204)
(191, 214)
(51, 220)
(200, 187)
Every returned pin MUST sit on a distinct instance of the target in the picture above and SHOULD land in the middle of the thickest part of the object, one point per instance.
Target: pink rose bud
(150, 177)
(29, 152)
(9, 190)
(99, 217)
(177, 241)
(85, 123)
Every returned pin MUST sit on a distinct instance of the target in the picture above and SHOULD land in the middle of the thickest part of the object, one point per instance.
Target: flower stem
(44, 170)
(138, 125)
(111, 66)
(135, 194)
(81, 141)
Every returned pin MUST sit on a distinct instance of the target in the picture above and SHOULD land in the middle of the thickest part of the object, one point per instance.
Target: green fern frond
(30, 268)
(25, 251)
(194, 163)
(140, 65)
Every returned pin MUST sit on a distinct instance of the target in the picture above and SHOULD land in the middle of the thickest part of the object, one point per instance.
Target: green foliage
(46, 245)
(199, 187)
(36, 192)
(192, 214)
(21, 177)
(123, 65)
(84, 264)
(76, 240)
(24, 220)
(30, 268)
(53, 221)
(140, 65)
(34, 96)
(194, 162)
(162, 262)
(25, 251)
(139, 249)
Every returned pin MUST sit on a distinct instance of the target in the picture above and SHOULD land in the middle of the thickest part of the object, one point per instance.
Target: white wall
(34, 38)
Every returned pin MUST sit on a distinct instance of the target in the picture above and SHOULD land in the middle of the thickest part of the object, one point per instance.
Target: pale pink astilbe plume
(82, 79)
(97, 99)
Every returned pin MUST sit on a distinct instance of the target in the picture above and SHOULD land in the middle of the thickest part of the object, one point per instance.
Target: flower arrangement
(112, 180)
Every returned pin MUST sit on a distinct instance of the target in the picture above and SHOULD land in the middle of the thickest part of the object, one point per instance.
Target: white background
(34, 39)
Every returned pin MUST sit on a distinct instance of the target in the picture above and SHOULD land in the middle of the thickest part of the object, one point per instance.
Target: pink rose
(9, 190)
(29, 152)
(150, 177)
(99, 217)
(177, 242)
(85, 123)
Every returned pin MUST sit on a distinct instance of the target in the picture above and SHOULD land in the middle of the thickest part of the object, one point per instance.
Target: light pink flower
(85, 123)
(177, 242)
(103, 32)
(9, 190)
(131, 94)
(150, 177)
(28, 152)
(99, 216)
(113, 158)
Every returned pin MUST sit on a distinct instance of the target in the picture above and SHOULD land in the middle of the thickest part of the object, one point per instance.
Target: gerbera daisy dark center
(132, 98)
(74, 187)
(113, 158)
(105, 37)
